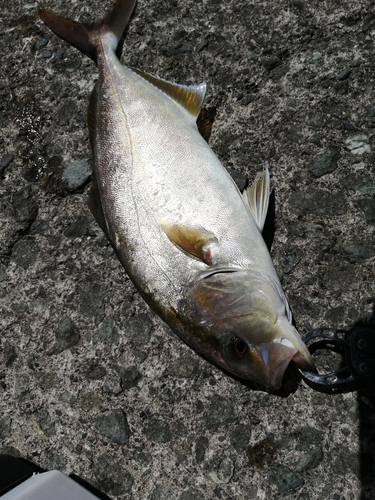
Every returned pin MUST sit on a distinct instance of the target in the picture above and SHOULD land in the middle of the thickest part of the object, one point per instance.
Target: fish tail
(86, 38)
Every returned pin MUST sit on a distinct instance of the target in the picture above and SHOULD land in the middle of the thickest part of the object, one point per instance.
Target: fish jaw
(288, 334)
(274, 359)
(276, 356)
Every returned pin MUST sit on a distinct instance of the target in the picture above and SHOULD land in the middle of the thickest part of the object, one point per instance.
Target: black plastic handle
(356, 346)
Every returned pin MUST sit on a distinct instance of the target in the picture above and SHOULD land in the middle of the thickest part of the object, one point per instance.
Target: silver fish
(188, 239)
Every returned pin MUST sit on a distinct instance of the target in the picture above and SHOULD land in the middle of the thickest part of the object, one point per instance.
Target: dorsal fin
(257, 196)
(189, 96)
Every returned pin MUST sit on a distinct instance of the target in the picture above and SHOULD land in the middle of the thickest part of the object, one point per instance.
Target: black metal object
(356, 346)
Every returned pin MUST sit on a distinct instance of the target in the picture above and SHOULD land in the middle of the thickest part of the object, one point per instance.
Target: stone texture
(191, 494)
(184, 368)
(310, 460)
(111, 477)
(66, 335)
(284, 479)
(75, 174)
(45, 422)
(129, 376)
(80, 227)
(107, 331)
(161, 493)
(5, 423)
(221, 470)
(201, 446)
(219, 412)
(94, 371)
(273, 100)
(239, 437)
(361, 182)
(324, 163)
(114, 426)
(318, 202)
(41, 227)
(25, 252)
(25, 208)
(5, 161)
(158, 430)
(358, 144)
(91, 299)
(138, 329)
(368, 208)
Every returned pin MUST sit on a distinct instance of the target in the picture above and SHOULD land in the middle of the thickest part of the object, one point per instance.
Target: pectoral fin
(194, 241)
(189, 96)
(257, 196)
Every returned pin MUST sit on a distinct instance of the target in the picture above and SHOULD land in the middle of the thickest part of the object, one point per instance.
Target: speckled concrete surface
(91, 381)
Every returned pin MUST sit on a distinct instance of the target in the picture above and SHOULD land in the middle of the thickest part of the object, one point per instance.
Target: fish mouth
(276, 357)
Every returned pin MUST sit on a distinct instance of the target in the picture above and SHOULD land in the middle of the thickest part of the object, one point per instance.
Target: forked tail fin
(86, 38)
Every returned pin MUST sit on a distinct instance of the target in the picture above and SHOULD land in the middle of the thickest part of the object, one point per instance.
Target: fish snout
(276, 357)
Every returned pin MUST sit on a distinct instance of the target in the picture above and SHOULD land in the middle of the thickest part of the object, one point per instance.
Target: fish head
(243, 324)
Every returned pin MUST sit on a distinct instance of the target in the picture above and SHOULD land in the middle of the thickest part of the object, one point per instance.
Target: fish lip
(288, 334)
(276, 357)
(302, 363)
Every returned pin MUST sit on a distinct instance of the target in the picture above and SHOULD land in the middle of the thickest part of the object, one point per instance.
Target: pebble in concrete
(24, 206)
(368, 207)
(76, 174)
(66, 335)
(219, 412)
(184, 368)
(5, 161)
(112, 478)
(114, 426)
(358, 144)
(324, 163)
(310, 460)
(191, 494)
(158, 430)
(138, 328)
(221, 469)
(107, 331)
(284, 479)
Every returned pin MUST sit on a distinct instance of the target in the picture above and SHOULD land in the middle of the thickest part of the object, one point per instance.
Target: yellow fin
(189, 96)
(195, 242)
(257, 196)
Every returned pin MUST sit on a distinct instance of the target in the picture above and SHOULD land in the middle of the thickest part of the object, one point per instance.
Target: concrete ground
(91, 381)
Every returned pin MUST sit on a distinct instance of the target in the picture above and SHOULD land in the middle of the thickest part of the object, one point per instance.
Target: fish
(189, 240)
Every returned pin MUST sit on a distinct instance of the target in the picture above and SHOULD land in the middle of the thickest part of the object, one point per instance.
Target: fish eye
(240, 348)
(235, 348)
